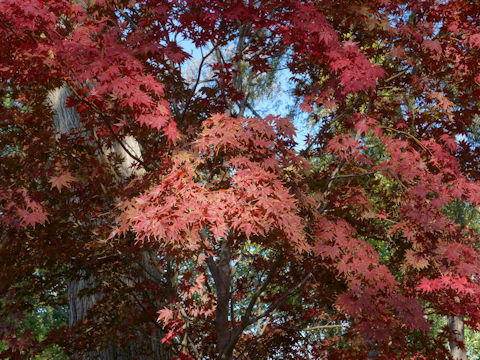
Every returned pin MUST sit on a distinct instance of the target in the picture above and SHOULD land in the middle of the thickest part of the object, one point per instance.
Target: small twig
(139, 303)
(396, 75)
(279, 301)
(343, 176)
(130, 21)
(194, 89)
(105, 158)
(330, 326)
(398, 179)
(253, 341)
(258, 292)
(265, 324)
(332, 177)
(407, 134)
(256, 114)
(313, 142)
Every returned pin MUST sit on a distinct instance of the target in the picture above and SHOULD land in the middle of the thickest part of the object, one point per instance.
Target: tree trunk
(65, 120)
(222, 275)
(455, 323)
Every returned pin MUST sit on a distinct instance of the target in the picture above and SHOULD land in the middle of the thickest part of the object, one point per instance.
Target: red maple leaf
(62, 180)
(165, 315)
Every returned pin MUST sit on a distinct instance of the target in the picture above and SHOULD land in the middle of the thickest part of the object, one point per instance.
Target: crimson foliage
(338, 250)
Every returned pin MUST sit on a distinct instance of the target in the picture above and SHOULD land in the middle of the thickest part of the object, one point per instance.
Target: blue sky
(280, 102)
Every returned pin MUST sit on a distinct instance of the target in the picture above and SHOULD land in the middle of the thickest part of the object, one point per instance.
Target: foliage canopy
(343, 247)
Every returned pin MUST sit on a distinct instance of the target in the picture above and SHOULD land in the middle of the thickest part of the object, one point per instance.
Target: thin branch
(221, 60)
(343, 176)
(246, 320)
(279, 301)
(332, 177)
(241, 45)
(105, 158)
(109, 126)
(194, 348)
(139, 303)
(147, 274)
(234, 269)
(313, 142)
(257, 293)
(130, 21)
(319, 327)
(418, 142)
(213, 268)
(199, 74)
(265, 324)
(396, 75)
(253, 111)
(254, 341)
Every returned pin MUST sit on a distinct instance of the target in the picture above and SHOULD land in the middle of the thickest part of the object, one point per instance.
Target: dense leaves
(184, 212)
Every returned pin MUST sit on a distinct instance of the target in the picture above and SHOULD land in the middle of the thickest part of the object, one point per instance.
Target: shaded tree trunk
(65, 120)
(222, 275)
(455, 323)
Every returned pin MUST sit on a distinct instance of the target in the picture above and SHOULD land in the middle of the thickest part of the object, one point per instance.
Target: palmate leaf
(254, 242)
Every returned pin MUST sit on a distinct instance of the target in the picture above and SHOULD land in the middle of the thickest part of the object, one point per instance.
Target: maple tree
(174, 221)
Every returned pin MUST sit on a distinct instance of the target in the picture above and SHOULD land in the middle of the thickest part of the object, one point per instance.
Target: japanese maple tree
(174, 221)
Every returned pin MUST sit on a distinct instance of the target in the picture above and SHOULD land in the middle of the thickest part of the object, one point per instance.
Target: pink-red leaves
(63, 180)
(23, 211)
(165, 315)
(449, 142)
(253, 202)
(32, 216)
(368, 222)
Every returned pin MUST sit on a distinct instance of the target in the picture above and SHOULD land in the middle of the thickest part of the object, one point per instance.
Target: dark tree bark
(222, 275)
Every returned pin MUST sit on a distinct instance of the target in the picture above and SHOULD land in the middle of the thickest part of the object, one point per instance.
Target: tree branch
(332, 177)
(257, 293)
(253, 111)
(280, 300)
(344, 176)
(199, 74)
(109, 126)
